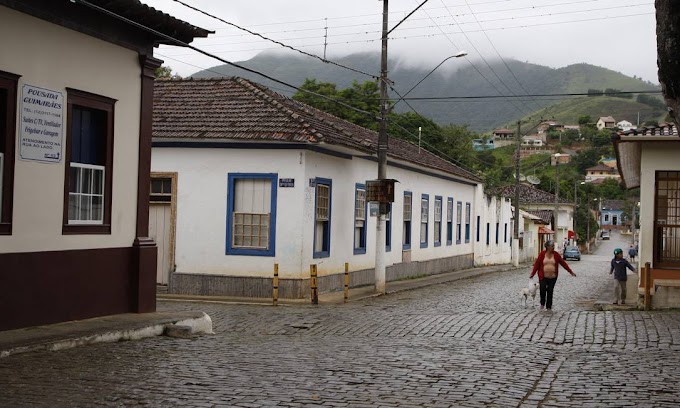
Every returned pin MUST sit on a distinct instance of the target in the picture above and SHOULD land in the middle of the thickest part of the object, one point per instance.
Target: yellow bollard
(275, 285)
(346, 282)
(313, 283)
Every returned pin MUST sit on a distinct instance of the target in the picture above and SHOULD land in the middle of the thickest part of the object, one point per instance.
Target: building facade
(76, 95)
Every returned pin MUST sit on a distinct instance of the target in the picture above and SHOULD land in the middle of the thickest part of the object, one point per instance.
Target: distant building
(549, 125)
(480, 144)
(625, 126)
(611, 214)
(533, 141)
(605, 122)
(503, 134)
(601, 172)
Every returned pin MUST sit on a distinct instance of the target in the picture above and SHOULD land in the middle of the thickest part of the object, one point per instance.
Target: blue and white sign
(42, 124)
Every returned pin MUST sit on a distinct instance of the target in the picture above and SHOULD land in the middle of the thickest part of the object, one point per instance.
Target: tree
(668, 50)
(602, 138)
(584, 120)
(165, 72)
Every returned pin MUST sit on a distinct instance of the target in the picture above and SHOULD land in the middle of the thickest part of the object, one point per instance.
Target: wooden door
(160, 228)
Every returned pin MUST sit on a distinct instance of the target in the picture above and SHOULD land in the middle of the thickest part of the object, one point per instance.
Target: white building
(246, 178)
(605, 122)
(76, 90)
(625, 126)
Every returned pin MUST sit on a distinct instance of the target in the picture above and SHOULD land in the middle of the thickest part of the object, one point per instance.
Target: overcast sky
(615, 34)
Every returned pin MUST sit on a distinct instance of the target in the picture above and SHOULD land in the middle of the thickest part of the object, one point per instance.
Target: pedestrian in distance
(619, 265)
(632, 252)
(547, 267)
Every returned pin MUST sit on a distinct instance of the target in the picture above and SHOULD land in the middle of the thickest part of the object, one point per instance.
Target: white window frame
(81, 194)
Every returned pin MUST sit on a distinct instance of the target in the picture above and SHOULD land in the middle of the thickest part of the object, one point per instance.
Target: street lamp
(460, 54)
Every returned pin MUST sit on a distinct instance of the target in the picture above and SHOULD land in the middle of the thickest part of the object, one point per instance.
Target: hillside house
(76, 90)
(612, 214)
(601, 172)
(605, 122)
(648, 159)
(625, 126)
(256, 179)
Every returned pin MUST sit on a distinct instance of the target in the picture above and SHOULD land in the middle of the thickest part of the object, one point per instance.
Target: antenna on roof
(533, 179)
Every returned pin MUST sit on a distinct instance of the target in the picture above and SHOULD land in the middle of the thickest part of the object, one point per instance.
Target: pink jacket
(538, 265)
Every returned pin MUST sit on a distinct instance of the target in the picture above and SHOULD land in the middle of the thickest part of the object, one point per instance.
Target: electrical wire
(274, 41)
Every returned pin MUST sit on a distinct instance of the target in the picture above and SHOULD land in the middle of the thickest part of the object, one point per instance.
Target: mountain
(468, 80)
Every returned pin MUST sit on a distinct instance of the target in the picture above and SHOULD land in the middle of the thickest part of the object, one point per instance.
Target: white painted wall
(492, 210)
(202, 204)
(654, 158)
(53, 57)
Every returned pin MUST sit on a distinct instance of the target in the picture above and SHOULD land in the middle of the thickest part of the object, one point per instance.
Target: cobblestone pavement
(464, 343)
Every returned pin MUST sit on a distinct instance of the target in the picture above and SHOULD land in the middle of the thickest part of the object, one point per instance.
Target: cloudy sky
(616, 34)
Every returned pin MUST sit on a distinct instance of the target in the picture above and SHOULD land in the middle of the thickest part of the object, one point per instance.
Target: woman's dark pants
(546, 286)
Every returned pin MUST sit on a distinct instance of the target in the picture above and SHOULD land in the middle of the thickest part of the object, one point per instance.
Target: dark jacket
(538, 265)
(619, 268)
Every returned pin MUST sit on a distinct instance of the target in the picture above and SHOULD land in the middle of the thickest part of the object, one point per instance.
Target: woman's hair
(549, 243)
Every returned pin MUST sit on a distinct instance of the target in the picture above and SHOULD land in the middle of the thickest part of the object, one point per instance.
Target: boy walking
(632, 253)
(619, 265)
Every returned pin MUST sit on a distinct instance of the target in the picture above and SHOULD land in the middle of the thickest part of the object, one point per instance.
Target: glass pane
(156, 186)
(247, 230)
(97, 208)
(247, 219)
(74, 180)
(98, 182)
(247, 241)
(73, 207)
(85, 208)
(167, 186)
(238, 219)
(238, 240)
(86, 180)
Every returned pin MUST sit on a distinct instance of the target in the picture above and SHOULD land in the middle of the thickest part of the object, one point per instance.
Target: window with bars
(449, 221)
(89, 167)
(251, 208)
(437, 221)
(8, 98)
(424, 217)
(360, 219)
(160, 190)
(322, 218)
(459, 220)
(406, 238)
(667, 220)
(468, 217)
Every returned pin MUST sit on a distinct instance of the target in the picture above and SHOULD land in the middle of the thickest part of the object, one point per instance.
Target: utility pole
(382, 159)
(557, 194)
(515, 242)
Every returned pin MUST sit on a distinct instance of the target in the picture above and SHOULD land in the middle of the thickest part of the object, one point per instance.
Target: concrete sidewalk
(137, 326)
(357, 293)
(129, 326)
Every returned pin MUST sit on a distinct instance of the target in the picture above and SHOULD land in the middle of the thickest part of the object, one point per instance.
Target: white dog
(530, 291)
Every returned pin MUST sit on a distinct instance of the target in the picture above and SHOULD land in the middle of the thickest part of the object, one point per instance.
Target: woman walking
(547, 267)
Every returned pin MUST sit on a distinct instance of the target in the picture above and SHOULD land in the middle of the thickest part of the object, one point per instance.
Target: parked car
(572, 252)
(604, 235)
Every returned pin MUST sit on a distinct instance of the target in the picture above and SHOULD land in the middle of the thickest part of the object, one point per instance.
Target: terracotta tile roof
(544, 215)
(616, 205)
(238, 109)
(504, 131)
(528, 194)
(607, 119)
(602, 167)
(664, 129)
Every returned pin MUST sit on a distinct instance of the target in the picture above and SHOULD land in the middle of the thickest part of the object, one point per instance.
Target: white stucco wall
(494, 210)
(202, 206)
(53, 57)
(655, 157)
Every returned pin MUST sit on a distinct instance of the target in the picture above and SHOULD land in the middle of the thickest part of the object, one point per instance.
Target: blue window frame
(479, 225)
(488, 233)
(388, 228)
(498, 227)
(459, 220)
(407, 212)
(360, 219)
(449, 221)
(251, 223)
(468, 217)
(424, 219)
(323, 196)
(437, 221)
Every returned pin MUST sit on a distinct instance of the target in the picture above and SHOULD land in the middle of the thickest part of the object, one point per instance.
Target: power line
(435, 98)
(274, 41)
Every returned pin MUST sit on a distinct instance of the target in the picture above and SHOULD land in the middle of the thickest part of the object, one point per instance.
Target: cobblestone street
(466, 343)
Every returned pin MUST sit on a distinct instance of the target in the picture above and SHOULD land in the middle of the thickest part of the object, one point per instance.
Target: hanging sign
(42, 124)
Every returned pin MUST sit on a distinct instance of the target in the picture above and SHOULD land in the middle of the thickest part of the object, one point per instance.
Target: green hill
(468, 80)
